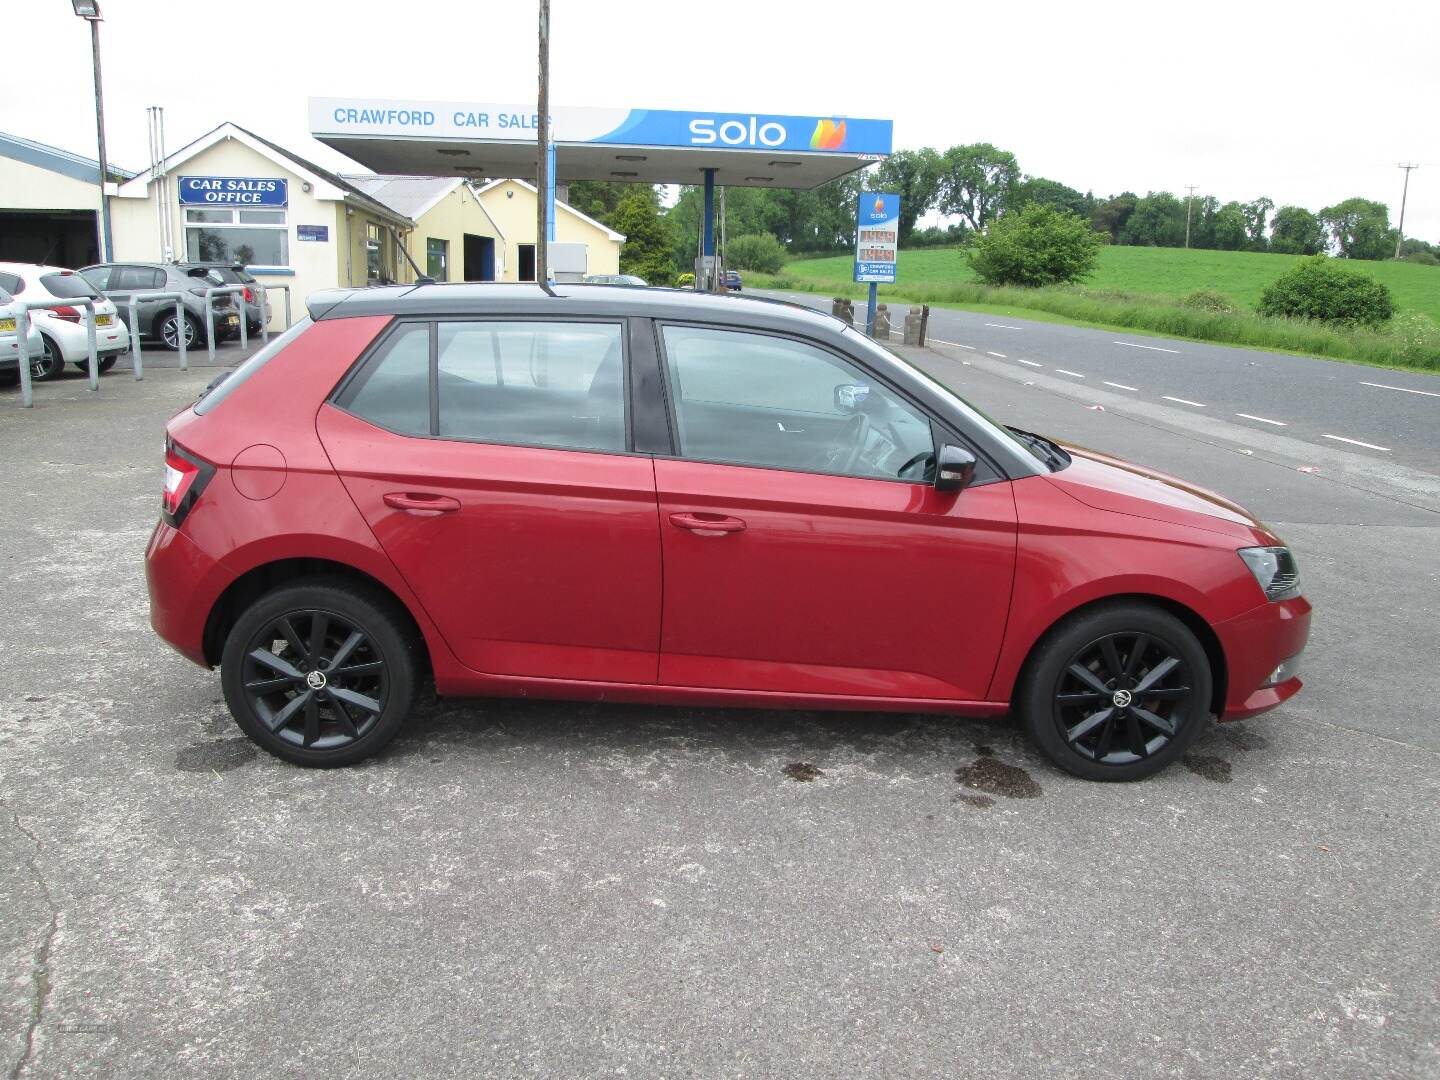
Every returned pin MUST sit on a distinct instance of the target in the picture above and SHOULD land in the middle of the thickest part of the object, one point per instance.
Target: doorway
(50, 237)
(479, 258)
(527, 262)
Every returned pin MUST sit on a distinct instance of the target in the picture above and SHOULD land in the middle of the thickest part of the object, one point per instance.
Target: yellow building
(511, 205)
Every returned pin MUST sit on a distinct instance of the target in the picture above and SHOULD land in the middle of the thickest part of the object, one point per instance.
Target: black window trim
(988, 470)
(433, 322)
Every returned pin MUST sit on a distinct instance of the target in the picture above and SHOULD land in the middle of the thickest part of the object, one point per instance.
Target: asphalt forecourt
(1389, 415)
(553, 889)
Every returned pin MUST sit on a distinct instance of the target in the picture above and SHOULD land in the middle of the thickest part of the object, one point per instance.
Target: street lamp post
(89, 10)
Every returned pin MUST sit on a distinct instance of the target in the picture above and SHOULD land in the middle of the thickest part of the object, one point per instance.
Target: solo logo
(704, 131)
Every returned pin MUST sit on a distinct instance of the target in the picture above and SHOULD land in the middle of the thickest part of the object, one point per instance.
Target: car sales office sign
(233, 191)
(877, 237)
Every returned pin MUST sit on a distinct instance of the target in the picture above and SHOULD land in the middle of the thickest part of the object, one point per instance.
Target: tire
(304, 719)
(105, 363)
(1102, 725)
(50, 364)
(164, 331)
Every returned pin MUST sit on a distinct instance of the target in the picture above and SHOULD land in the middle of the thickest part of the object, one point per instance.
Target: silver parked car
(120, 281)
(234, 274)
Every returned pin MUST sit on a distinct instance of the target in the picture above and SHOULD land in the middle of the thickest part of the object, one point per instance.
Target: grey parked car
(234, 274)
(120, 281)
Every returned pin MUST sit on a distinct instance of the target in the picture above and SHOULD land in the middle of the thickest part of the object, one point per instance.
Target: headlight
(1275, 569)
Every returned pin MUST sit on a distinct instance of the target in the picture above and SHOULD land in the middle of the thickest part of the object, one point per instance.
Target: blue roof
(55, 160)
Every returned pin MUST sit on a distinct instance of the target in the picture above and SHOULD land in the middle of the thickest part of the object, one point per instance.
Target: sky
(1306, 102)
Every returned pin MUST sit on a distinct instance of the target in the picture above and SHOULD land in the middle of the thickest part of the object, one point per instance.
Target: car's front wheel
(321, 674)
(1117, 692)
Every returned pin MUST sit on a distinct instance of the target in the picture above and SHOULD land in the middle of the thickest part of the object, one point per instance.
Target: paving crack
(40, 964)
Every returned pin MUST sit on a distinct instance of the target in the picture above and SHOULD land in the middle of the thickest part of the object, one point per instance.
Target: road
(1391, 415)
(535, 889)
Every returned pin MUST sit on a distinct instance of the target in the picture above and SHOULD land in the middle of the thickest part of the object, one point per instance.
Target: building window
(437, 259)
(377, 254)
(248, 237)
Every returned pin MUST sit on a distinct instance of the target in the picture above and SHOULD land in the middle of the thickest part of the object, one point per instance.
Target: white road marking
(1402, 389)
(1003, 326)
(1001, 355)
(1122, 386)
(1152, 348)
(1183, 401)
(1262, 419)
(952, 344)
(1357, 442)
(1073, 374)
(1028, 363)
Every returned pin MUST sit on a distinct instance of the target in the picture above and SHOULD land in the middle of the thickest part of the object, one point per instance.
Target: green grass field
(1171, 272)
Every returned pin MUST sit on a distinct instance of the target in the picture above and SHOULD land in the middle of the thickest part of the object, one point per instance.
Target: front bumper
(1255, 645)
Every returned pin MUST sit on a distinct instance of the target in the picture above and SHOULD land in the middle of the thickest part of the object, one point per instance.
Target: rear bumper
(1257, 643)
(184, 584)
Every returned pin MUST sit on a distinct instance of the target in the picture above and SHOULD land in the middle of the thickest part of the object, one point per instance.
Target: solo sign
(877, 237)
(233, 191)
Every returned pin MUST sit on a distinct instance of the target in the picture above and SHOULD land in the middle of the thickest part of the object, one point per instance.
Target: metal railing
(263, 293)
(22, 309)
(181, 325)
(221, 290)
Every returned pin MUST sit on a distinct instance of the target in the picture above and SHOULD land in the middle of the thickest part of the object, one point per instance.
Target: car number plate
(7, 324)
(233, 320)
(104, 320)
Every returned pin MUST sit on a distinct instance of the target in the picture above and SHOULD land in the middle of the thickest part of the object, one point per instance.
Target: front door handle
(707, 524)
(421, 502)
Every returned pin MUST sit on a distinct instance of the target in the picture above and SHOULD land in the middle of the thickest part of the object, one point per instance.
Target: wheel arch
(258, 580)
(1193, 620)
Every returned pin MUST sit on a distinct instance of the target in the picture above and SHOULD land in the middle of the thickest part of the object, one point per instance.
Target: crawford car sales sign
(233, 191)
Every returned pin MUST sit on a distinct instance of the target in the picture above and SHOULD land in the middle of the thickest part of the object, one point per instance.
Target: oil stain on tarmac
(222, 755)
(802, 772)
(990, 776)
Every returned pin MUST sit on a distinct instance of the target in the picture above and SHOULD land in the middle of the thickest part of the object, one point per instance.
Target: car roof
(22, 268)
(491, 298)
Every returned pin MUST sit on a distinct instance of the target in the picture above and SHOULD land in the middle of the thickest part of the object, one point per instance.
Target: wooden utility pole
(1189, 199)
(1404, 193)
(542, 159)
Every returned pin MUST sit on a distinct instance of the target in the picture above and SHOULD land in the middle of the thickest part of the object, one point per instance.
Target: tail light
(185, 478)
(249, 296)
(65, 314)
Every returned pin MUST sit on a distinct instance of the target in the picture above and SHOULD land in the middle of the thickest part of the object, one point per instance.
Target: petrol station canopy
(646, 146)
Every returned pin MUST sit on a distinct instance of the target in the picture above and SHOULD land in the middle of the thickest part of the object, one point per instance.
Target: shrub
(1319, 289)
(1421, 258)
(758, 251)
(1209, 300)
(1417, 339)
(685, 281)
(1038, 245)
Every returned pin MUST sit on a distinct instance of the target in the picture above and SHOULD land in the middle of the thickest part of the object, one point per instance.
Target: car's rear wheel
(1116, 693)
(166, 327)
(103, 364)
(321, 674)
(49, 364)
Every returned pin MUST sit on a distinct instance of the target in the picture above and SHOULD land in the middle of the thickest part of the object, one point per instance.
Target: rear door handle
(707, 524)
(421, 502)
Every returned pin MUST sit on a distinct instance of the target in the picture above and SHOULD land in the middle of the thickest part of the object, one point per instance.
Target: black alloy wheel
(1116, 693)
(320, 674)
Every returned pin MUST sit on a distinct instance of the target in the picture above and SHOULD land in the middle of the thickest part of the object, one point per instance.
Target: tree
(1320, 288)
(1296, 231)
(1111, 215)
(1231, 232)
(1360, 228)
(1037, 189)
(1256, 213)
(1158, 221)
(1038, 245)
(758, 251)
(977, 182)
(597, 198)
(649, 248)
(914, 175)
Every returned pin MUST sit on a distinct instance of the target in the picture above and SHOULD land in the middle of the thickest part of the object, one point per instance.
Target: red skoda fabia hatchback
(655, 496)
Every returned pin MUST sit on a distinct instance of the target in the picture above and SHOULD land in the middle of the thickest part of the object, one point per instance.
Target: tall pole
(542, 162)
(1189, 199)
(105, 245)
(1404, 193)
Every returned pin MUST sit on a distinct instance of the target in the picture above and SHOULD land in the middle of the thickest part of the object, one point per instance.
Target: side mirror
(850, 396)
(954, 468)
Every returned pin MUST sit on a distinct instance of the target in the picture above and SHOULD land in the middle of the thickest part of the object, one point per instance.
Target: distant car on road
(732, 280)
(234, 274)
(120, 281)
(64, 335)
(613, 279)
(9, 346)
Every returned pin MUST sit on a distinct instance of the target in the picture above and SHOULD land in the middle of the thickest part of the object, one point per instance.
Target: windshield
(1026, 446)
(68, 286)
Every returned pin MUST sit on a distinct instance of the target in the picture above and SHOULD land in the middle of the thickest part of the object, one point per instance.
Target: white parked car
(9, 345)
(63, 333)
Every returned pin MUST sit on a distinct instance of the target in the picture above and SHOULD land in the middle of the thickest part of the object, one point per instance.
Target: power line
(1404, 192)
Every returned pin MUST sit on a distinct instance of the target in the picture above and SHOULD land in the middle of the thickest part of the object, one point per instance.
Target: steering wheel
(844, 450)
